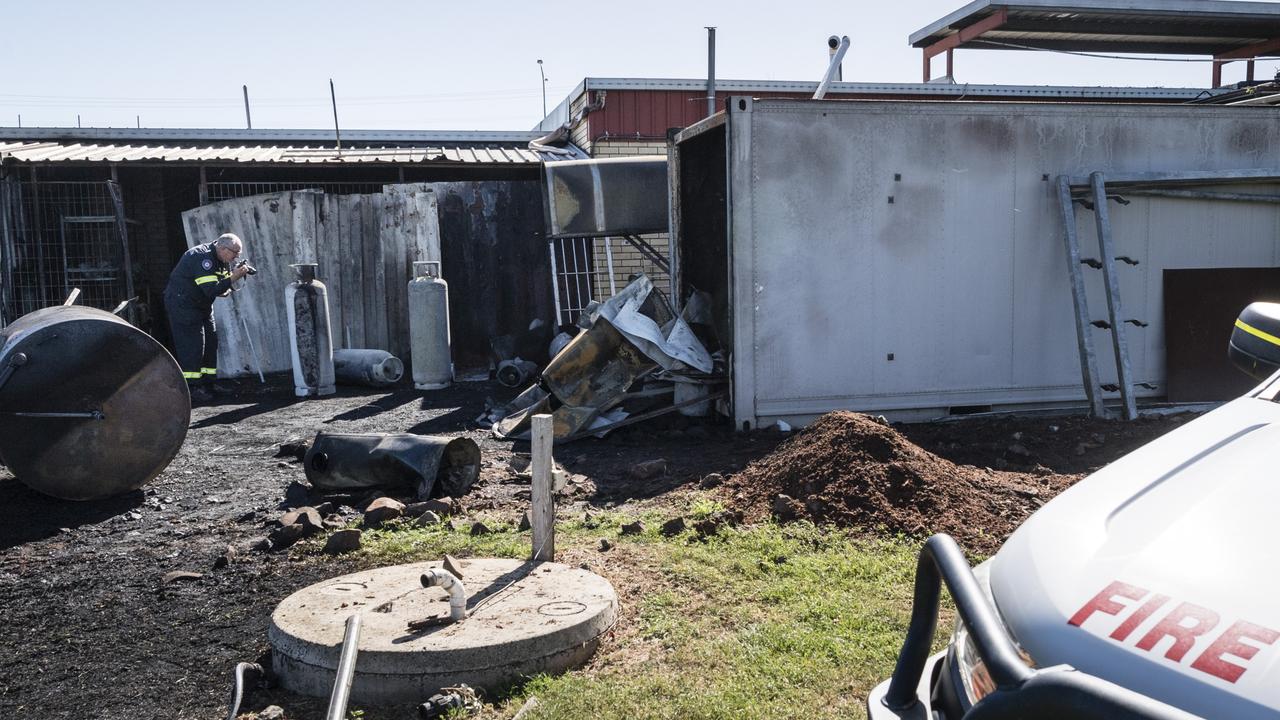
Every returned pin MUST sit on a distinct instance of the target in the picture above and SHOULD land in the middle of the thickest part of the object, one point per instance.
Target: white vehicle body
(1153, 574)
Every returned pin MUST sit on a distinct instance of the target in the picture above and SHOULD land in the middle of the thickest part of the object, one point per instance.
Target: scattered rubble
(226, 558)
(308, 517)
(710, 481)
(650, 469)
(382, 510)
(632, 528)
(181, 576)
(343, 541)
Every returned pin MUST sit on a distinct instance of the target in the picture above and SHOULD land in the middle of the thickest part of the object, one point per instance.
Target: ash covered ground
(97, 625)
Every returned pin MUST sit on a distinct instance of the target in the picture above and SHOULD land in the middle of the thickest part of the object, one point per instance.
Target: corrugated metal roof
(1191, 27)
(38, 151)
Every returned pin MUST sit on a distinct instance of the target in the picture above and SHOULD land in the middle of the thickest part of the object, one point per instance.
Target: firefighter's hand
(239, 272)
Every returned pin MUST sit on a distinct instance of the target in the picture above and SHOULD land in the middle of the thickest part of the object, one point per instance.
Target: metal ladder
(1106, 262)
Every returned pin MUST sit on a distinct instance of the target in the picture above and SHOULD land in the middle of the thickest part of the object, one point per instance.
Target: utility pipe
(832, 68)
(441, 578)
(346, 671)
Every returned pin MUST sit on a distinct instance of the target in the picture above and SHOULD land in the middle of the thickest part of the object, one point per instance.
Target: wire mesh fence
(56, 236)
(218, 191)
(587, 269)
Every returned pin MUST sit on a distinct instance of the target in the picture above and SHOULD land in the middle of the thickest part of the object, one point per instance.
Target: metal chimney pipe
(711, 71)
(833, 43)
(836, 58)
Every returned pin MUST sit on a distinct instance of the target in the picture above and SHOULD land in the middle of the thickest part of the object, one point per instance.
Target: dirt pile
(855, 471)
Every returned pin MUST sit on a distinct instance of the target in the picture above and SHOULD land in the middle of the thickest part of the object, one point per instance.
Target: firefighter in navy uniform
(203, 274)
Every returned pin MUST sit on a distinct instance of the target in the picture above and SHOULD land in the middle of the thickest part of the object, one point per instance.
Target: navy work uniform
(197, 279)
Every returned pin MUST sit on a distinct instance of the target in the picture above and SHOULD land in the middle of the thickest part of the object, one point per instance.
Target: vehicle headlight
(974, 678)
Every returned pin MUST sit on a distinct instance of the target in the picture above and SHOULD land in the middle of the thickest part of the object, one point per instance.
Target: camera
(244, 263)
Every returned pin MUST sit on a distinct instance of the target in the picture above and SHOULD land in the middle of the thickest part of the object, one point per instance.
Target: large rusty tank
(90, 406)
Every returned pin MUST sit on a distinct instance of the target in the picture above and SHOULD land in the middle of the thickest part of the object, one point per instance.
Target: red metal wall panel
(647, 114)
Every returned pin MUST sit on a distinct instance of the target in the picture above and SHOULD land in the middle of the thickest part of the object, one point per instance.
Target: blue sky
(458, 66)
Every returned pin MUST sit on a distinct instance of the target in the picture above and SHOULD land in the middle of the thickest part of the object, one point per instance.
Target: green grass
(768, 621)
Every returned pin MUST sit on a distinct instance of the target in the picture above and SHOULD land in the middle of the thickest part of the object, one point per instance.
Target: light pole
(543, 73)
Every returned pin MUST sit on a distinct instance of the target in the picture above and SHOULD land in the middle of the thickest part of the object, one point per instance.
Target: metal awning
(66, 145)
(1223, 30)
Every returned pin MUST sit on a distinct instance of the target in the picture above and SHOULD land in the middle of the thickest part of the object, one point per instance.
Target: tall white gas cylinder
(310, 343)
(429, 327)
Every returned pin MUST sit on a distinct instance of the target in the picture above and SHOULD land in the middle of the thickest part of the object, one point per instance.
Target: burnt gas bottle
(90, 406)
(429, 327)
(377, 368)
(310, 344)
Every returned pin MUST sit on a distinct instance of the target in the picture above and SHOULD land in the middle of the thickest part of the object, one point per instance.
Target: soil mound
(852, 470)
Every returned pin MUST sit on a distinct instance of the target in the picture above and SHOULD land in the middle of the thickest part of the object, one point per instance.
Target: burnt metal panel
(608, 197)
(1200, 310)
(496, 264)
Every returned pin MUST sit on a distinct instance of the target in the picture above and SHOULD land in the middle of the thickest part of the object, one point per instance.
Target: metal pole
(543, 73)
(608, 253)
(253, 349)
(38, 217)
(346, 671)
(122, 229)
(333, 97)
(248, 123)
(555, 281)
(834, 65)
(711, 71)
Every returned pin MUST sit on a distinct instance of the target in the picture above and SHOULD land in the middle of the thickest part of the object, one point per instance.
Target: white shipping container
(908, 258)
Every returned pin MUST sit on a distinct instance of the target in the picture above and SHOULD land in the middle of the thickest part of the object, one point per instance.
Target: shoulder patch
(207, 264)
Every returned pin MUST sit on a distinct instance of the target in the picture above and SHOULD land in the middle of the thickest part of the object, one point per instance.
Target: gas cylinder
(429, 327)
(310, 344)
(376, 368)
(90, 406)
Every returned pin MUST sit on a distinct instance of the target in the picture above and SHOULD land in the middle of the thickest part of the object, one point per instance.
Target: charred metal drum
(428, 465)
(90, 406)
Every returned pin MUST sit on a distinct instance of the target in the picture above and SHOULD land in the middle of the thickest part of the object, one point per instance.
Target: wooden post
(542, 514)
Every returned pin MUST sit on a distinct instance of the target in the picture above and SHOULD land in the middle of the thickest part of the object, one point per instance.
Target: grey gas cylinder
(377, 368)
(310, 344)
(429, 327)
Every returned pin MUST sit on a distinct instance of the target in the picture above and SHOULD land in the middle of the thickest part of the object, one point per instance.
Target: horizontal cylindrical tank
(310, 344)
(431, 466)
(378, 368)
(515, 373)
(90, 406)
(429, 327)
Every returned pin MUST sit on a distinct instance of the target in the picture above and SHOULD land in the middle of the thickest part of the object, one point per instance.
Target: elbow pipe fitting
(441, 578)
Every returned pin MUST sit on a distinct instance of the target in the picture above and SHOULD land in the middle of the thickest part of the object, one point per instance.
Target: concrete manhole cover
(524, 618)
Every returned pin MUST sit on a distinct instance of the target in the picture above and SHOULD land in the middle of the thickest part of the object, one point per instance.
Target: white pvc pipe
(441, 578)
